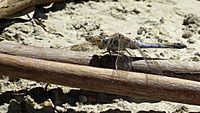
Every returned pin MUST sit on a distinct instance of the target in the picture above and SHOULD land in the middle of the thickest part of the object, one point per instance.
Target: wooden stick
(9, 7)
(173, 68)
(98, 79)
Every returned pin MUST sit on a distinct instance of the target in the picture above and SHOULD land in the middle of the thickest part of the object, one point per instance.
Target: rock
(196, 59)
(136, 11)
(149, 5)
(141, 31)
(187, 34)
(162, 54)
(191, 19)
(198, 32)
(191, 41)
(197, 54)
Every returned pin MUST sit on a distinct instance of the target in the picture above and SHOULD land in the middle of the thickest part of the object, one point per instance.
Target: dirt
(163, 21)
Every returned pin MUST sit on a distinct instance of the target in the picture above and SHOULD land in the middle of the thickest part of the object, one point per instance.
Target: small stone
(47, 103)
(191, 41)
(197, 54)
(191, 19)
(141, 31)
(82, 99)
(192, 27)
(136, 11)
(187, 34)
(150, 35)
(160, 40)
(162, 20)
(149, 5)
(162, 54)
(138, 38)
(195, 59)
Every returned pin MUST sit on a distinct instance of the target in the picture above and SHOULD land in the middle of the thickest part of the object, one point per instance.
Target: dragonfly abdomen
(158, 45)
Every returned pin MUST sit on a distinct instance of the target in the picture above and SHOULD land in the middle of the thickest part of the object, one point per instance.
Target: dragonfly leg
(109, 53)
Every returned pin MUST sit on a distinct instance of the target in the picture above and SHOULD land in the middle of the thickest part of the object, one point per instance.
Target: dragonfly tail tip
(180, 45)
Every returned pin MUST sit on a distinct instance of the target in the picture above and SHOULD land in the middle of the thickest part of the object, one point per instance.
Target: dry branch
(10, 7)
(174, 68)
(98, 79)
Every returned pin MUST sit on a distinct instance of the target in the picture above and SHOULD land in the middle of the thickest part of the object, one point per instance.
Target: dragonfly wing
(122, 62)
(151, 62)
(122, 65)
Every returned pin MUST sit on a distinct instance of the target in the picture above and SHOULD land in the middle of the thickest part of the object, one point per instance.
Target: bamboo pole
(173, 68)
(148, 86)
(10, 7)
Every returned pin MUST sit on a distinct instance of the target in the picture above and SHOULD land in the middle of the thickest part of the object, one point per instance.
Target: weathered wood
(174, 68)
(59, 55)
(97, 79)
(10, 7)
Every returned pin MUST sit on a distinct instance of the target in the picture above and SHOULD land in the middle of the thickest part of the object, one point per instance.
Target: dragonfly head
(103, 41)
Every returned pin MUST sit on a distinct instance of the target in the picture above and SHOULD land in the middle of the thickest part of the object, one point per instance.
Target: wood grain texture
(97, 79)
(173, 68)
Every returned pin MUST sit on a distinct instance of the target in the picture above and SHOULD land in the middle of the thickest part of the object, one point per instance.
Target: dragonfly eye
(105, 40)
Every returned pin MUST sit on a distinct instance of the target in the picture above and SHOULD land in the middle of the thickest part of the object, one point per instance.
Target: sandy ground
(162, 21)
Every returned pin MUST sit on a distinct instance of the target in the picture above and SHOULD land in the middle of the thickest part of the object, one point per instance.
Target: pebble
(47, 103)
(191, 41)
(141, 31)
(197, 54)
(136, 11)
(162, 54)
(138, 38)
(149, 5)
(191, 19)
(195, 59)
(82, 99)
(187, 34)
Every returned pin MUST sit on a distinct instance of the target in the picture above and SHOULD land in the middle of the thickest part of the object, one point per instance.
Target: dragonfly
(118, 44)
